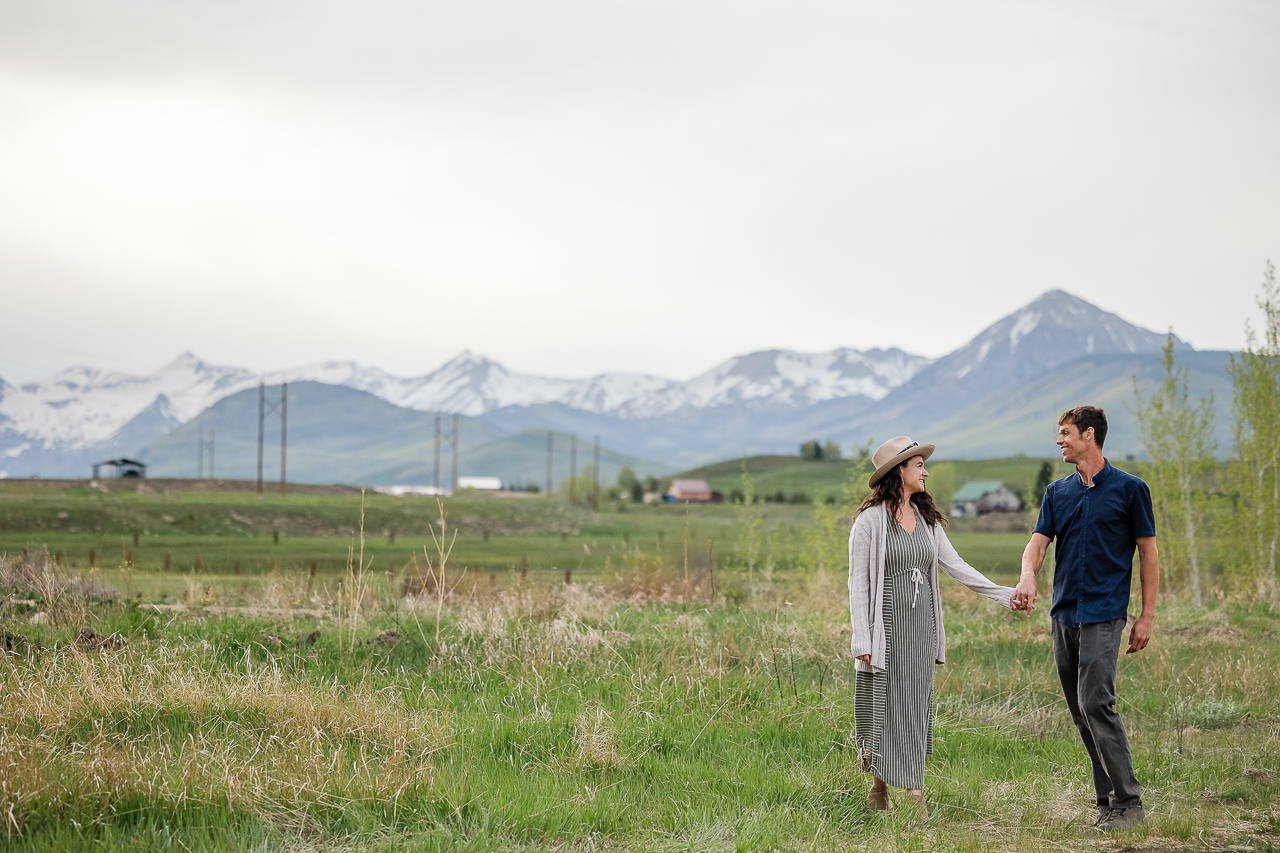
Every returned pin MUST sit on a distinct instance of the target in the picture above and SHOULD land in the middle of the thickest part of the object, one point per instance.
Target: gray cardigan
(866, 584)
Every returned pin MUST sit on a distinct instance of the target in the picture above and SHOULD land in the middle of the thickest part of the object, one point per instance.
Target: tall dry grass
(85, 735)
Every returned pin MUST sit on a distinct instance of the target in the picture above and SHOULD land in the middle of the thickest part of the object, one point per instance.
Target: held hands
(1024, 594)
(1140, 634)
(865, 659)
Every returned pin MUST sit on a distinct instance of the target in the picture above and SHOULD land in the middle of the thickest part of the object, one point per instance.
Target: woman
(895, 549)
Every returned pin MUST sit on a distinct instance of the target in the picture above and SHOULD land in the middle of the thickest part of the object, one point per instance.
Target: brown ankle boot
(918, 801)
(878, 799)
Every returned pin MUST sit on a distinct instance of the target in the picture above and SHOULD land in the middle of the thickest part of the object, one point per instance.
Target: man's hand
(1140, 634)
(865, 659)
(1024, 594)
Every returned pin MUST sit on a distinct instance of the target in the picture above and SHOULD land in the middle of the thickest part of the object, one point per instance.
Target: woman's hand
(865, 659)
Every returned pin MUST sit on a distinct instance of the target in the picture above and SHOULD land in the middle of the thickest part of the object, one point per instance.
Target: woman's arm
(860, 586)
(966, 574)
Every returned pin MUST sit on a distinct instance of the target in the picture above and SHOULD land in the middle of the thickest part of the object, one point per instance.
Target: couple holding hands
(1099, 516)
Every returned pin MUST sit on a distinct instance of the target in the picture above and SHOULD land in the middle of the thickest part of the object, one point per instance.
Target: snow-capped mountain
(58, 426)
(783, 378)
(81, 410)
(471, 384)
(80, 407)
(1055, 329)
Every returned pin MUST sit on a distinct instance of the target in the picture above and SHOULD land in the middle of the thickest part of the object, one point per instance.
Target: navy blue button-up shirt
(1096, 528)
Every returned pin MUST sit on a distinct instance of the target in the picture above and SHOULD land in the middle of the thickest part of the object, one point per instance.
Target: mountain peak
(1052, 330)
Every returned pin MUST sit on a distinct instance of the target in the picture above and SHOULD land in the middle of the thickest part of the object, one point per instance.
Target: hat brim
(924, 451)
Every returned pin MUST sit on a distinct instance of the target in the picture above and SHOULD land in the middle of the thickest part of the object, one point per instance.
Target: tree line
(1218, 524)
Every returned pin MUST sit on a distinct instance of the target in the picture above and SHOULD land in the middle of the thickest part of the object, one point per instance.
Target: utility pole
(595, 477)
(284, 420)
(454, 478)
(200, 455)
(436, 479)
(573, 468)
(550, 438)
(262, 415)
(282, 409)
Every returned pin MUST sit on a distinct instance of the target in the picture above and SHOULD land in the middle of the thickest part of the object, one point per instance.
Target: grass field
(631, 709)
(816, 480)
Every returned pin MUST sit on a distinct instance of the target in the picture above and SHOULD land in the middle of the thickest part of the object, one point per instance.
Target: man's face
(1073, 444)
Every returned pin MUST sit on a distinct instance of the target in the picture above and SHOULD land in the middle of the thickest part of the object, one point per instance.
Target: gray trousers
(1086, 659)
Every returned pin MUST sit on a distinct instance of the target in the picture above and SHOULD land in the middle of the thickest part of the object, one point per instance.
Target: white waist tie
(918, 577)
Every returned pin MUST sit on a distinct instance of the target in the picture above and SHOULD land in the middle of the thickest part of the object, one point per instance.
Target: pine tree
(1043, 478)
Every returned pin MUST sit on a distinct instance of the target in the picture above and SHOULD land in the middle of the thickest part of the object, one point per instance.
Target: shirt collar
(1098, 477)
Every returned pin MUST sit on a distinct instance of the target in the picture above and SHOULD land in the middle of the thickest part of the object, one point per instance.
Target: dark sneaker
(1123, 819)
(1104, 812)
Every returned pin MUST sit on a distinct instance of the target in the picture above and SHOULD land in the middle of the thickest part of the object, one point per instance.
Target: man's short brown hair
(1083, 417)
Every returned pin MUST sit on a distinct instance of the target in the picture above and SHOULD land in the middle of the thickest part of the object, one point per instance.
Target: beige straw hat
(895, 451)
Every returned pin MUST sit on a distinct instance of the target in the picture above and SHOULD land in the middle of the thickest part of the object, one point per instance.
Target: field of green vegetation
(793, 477)
(239, 699)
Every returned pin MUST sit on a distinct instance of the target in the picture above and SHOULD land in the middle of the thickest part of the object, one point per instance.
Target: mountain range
(992, 396)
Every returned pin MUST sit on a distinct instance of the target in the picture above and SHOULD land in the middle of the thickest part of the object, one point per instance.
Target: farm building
(121, 468)
(981, 497)
(691, 491)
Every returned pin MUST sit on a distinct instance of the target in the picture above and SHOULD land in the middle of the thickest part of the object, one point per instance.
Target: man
(1098, 515)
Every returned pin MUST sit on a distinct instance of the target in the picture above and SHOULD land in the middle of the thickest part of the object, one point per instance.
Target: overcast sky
(575, 187)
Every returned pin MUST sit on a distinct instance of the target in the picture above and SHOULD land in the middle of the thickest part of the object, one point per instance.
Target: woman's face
(913, 475)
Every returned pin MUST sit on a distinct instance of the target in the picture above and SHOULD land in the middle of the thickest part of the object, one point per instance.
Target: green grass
(558, 717)
(628, 710)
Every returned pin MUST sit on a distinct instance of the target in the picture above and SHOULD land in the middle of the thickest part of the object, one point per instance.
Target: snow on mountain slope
(471, 384)
(1055, 328)
(80, 407)
(784, 378)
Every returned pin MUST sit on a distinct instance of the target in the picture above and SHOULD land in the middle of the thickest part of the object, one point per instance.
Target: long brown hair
(888, 491)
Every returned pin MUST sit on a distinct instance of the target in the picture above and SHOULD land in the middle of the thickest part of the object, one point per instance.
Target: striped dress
(893, 709)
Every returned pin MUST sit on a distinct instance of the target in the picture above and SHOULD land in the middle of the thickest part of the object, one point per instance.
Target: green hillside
(341, 435)
(1026, 417)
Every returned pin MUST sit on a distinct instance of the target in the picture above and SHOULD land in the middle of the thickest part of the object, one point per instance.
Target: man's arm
(1149, 573)
(1024, 594)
